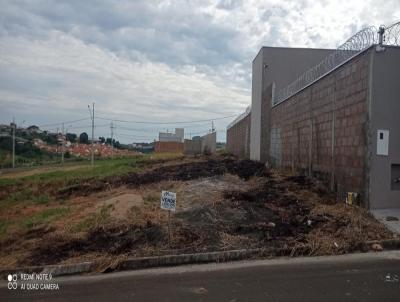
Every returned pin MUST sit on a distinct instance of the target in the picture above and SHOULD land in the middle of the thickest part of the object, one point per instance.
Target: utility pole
(112, 143)
(62, 143)
(57, 138)
(92, 117)
(13, 143)
(212, 126)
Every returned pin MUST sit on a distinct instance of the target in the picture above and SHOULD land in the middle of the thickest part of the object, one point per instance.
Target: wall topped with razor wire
(240, 117)
(359, 42)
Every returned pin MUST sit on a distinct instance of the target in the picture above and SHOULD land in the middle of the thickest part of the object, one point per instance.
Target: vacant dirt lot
(223, 204)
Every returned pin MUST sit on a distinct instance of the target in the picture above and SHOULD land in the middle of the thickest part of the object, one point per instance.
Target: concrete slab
(389, 217)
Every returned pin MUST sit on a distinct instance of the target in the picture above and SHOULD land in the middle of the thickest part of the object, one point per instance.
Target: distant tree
(25, 134)
(51, 138)
(33, 128)
(83, 138)
(102, 139)
(72, 137)
(6, 143)
(117, 144)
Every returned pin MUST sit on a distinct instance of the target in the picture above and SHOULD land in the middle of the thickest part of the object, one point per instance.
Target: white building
(178, 136)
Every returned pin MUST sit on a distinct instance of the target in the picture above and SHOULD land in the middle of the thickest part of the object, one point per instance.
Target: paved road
(360, 277)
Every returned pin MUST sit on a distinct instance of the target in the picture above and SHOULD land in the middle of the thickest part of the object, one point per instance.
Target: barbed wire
(362, 40)
(392, 35)
(240, 117)
(353, 46)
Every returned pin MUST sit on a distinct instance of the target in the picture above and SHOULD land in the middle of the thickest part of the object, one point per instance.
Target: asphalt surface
(357, 277)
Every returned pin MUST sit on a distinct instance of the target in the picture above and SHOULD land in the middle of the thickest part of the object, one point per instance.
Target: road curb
(171, 260)
(389, 244)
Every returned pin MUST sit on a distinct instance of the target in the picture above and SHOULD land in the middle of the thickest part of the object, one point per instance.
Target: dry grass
(347, 229)
(232, 242)
(208, 220)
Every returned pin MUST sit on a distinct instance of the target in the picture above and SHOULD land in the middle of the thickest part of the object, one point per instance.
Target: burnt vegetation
(272, 212)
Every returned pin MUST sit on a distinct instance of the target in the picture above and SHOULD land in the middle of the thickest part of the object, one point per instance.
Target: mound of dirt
(271, 213)
(85, 188)
(193, 170)
(178, 172)
(121, 205)
(112, 240)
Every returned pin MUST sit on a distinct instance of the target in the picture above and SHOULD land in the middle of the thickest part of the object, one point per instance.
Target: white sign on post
(168, 200)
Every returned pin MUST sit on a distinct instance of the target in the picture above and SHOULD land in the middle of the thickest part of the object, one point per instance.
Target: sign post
(168, 202)
(169, 229)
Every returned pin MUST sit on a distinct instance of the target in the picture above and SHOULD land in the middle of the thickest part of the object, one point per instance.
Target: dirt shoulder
(223, 204)
(10, 174)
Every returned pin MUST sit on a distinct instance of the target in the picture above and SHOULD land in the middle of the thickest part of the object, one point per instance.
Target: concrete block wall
(192, 146)
(173, 147)
(275, 68)
(323, 127)
(207, 144)
(238, 138)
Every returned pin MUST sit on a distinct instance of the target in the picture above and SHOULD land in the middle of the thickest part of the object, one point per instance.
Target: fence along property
(353, 46)
(325, 122)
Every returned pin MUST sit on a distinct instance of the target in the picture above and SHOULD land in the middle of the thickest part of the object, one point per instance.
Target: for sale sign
(168, 200)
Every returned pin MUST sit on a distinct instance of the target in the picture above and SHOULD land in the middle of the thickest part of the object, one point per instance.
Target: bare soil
(121, 205)
(172, 172)
(223, 204)
(23, 172)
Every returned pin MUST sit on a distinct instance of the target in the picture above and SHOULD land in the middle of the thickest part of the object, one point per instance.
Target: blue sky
(155, 61)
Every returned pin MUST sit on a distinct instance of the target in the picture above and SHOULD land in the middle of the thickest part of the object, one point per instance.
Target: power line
(65, 122)
(136, 136)
(49, 129)
(168, 123)
(160, 128)
(199, 132)
(89, 126)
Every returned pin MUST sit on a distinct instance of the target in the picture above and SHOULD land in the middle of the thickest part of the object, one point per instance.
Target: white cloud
(156, 59)
(63, 73)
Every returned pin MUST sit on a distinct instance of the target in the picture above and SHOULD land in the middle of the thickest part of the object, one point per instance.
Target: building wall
(178, 136)
(238, 138)
(283, 65)
(265, 131)
(192, 146)
(322, 129)
(207, 144)
(385, 113)
(173, 147)
(256, 96)
(180, 133)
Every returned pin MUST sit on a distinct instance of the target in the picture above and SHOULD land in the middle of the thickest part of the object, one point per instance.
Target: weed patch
(94, 220)
(3, 227)
(44, 217)
(41, 199)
